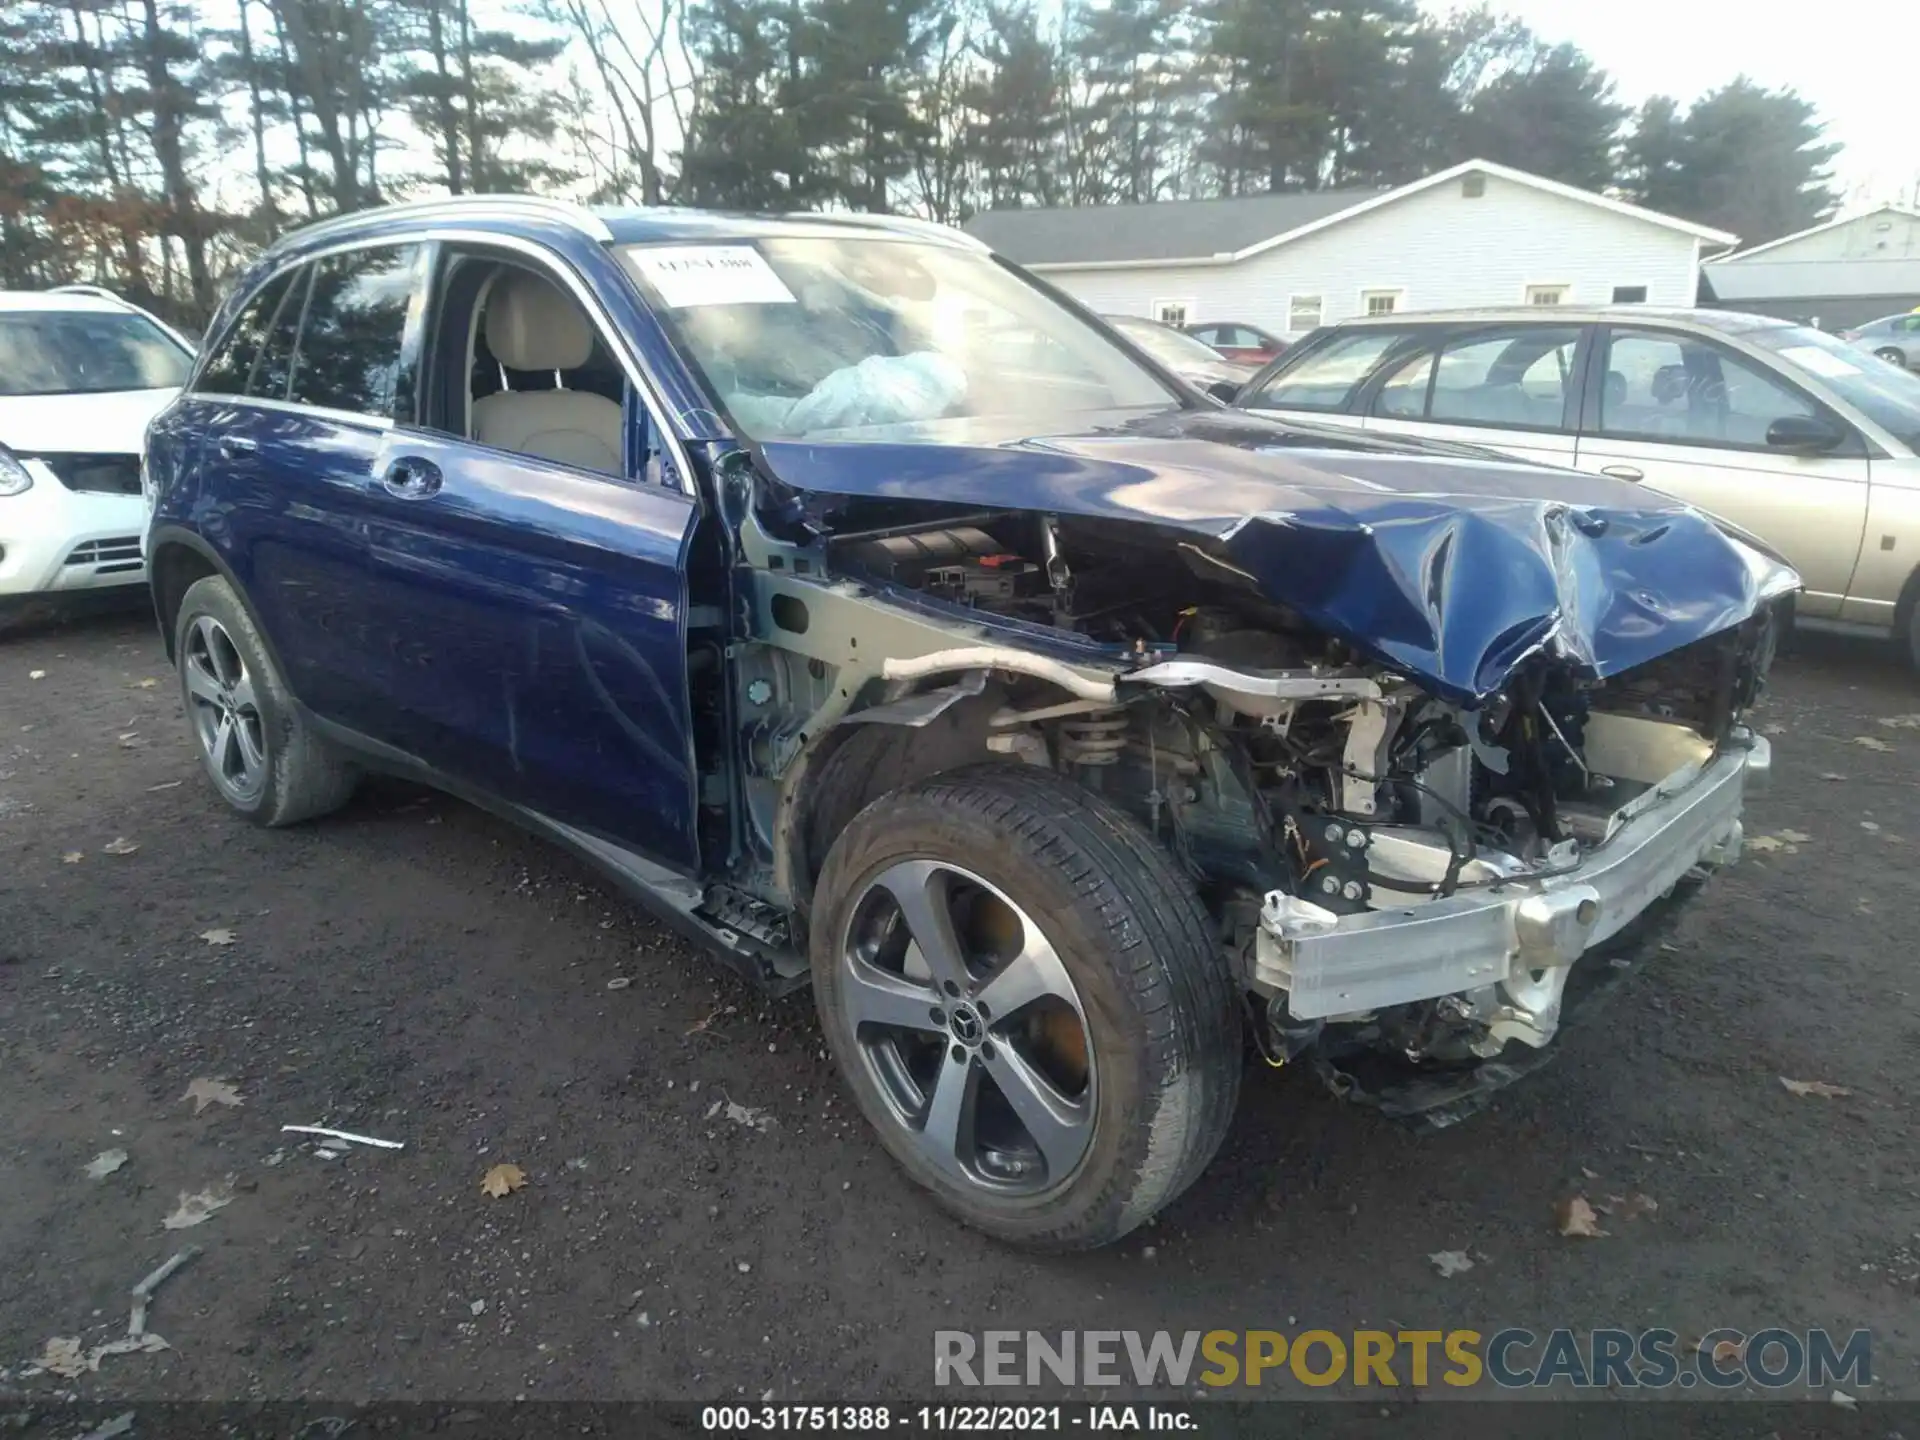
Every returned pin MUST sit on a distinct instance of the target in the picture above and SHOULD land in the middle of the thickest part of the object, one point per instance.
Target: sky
(1856, 61)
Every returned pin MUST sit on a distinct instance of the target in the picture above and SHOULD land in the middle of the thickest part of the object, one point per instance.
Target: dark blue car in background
(886, 621)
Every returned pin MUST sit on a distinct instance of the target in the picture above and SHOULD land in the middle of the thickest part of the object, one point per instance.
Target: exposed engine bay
(1305, 786)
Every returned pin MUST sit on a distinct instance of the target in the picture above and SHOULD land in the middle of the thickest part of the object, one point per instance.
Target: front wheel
(1893, 356)
(1028, 1002)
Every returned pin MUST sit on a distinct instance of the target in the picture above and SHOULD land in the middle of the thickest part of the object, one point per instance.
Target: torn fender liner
(1447, 563)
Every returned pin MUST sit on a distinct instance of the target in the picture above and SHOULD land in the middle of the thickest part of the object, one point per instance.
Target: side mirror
(1225, 391)
(1805, 434)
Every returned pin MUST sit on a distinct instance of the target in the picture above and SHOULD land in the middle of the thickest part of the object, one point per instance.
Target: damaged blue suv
(883, 619)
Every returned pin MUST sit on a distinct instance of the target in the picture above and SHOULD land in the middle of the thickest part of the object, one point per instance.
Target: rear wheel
(258, 750)
(1028, 1002)
(1892, 355)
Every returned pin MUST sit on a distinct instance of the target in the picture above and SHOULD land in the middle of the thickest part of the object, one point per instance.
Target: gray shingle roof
(1170, 230)
(1811, 279)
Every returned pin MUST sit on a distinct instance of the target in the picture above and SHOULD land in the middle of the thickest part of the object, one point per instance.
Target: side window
(273, 366)
(349, 355)
(228, 367)
(1689, 391)
(1327, 377)
(1515, 378)
(1403, 395)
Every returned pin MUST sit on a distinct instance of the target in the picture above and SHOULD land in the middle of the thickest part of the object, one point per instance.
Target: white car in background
(81, 374)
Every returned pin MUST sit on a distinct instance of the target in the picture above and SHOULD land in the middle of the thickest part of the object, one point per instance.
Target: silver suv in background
(1790, 434)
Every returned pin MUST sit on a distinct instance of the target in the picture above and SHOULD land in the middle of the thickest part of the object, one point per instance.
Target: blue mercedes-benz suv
(880, 617)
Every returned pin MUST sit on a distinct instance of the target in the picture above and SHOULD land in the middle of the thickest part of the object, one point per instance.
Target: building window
(1171, 312)
(1381, 302)
(1303, 313)
(1629, 294)
(1547, 294)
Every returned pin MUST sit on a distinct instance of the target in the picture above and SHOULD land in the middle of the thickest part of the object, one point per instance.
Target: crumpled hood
(1447, 563)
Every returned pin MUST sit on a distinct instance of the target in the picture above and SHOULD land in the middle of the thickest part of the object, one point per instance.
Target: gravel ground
(417, 970)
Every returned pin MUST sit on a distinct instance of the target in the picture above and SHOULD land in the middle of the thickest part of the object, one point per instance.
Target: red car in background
(1246, 343)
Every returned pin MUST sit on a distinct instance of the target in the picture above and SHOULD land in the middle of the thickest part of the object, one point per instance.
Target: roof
(1169, 230)
(1811, 279)
(1180, 233)
(634, 225)
(67, 302)
(1728, 321)
(1741, 256)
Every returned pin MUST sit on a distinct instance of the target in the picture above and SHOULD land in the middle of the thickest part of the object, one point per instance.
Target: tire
(1136, 967)
(266, 764)
(1892, 356)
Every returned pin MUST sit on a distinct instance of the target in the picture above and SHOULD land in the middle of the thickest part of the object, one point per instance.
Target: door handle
(232, 447)
(411, 478)
(1624, 472)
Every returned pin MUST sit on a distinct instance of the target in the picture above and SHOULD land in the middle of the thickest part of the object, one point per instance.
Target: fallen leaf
(1843, 1400)
(1450, 1263)
(199, 1207)
(502, 1180)
(131, 740)
(1593, 1174)
(36, 675)
(1729, 1352)
(1575, 1218)
(62, 1354)
(1818, 1088)
(1901, 722)
(72, 857)
(699, 1026)
(105, 1163)
(146, 684)
(1869, 826)
(204, 1092)
(1794, 837)
(164, 785)
(120, 845)
(1829, 775)
(747, 1115)
(218, 937)
(1867, 742)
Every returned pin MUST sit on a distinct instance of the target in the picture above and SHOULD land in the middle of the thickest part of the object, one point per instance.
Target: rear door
(1690, 416)
(337, 369)
(1511, 387)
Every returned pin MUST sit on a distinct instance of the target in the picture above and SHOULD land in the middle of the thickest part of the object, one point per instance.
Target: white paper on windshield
(688, 275)
(1820, 362)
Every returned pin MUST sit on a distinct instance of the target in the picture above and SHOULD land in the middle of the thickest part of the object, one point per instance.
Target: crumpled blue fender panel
(1448, 564)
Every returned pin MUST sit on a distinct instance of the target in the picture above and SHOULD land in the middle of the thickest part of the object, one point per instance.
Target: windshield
(853, 337)
(82, 352)
(1885, 393)
(1173, 348)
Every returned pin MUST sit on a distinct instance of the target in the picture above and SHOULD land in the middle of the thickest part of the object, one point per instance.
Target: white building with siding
(1475, 234)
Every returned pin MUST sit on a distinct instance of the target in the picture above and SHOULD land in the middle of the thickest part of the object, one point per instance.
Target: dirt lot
(417, 970)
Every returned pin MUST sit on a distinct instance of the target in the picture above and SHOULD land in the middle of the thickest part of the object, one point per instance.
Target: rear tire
(1122, 956)
(258, 750)
(1892, 356)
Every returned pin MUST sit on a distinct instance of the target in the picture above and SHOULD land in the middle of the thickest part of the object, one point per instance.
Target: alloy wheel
(970, 1026)
(225, 711)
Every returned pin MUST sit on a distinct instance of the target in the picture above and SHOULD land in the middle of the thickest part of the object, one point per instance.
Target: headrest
(533, 325)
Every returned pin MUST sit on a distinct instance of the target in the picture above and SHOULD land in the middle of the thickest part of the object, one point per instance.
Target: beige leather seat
(533, 325)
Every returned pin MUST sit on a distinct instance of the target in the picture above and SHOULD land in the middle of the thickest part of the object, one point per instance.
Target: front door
(529, 565)
(1690, 416)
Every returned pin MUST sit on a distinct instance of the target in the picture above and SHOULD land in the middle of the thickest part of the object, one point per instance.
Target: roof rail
(462, 207)
(98, 292)
(900, 225)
